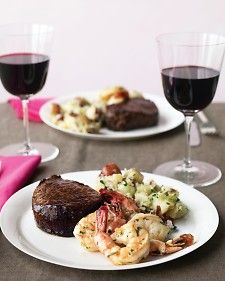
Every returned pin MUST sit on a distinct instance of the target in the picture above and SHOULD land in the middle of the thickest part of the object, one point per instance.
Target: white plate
(19, 227)
(169, 119)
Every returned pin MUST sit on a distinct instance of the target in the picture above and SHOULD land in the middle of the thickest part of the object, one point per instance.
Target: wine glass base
(47, 151)
(199, 175)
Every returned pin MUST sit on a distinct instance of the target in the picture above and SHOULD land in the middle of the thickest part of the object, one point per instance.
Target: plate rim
(44, 108)
(125, 267)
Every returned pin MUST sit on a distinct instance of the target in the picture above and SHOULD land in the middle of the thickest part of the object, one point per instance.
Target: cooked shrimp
(115, 197)
(171, 246)
(136, 241)
(84, 232)
(85, 229)
(116, 217)
(157, 232)
(153, 224)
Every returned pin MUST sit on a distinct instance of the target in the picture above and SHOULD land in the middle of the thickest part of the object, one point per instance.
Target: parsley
(130, 252)
(138, 230)
(175, 228)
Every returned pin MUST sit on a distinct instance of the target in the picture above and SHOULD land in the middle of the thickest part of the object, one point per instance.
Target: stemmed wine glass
(24, 63)
(190, 67)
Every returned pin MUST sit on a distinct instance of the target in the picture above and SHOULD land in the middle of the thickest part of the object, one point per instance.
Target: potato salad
(148, 196)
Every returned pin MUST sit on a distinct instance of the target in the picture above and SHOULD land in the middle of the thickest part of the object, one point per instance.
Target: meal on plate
(124, 218)
(116, 109)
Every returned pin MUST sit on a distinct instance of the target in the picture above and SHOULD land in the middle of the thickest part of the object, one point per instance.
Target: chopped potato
(148, 196)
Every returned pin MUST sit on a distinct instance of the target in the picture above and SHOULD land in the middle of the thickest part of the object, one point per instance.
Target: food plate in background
(18, 226)
(169, 119)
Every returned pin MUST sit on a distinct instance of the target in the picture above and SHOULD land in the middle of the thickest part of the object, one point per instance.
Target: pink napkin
(15, 171)
(33, 108)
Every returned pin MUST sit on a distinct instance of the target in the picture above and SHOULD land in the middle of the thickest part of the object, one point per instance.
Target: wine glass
(190, 66)
(24, 63)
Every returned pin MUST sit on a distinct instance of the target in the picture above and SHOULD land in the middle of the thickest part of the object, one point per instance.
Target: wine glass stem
(187, 158)
(27, 143)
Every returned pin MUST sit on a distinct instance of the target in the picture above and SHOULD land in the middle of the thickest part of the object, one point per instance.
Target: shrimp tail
(116, 197)
(171, 246)
(101, 218)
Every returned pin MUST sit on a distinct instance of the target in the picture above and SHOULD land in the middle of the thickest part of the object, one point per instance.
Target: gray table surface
(206, 263)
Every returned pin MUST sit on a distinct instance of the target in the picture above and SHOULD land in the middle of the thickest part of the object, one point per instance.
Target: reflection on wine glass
(190, 67)
(24, 63)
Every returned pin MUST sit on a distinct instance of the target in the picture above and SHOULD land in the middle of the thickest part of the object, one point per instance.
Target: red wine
(23, 74)
(189, 88)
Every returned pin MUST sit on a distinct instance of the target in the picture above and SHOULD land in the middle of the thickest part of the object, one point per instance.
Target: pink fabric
(15, 171)
(33, 108)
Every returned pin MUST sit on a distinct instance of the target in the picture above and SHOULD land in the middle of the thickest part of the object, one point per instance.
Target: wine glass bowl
(190, 66)
(24, 63)
(23, 74)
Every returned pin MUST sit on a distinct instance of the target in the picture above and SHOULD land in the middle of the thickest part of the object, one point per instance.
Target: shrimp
(136, 241)
(142, 235)
(155, 226)
(115, 219)
(157, 232)
(121, 209)
(84, 231)
(171, 246)
(115, 197)
(117, 216)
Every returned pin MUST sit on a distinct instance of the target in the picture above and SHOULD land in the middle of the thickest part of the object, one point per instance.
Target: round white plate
(169, 119)
(19, 227)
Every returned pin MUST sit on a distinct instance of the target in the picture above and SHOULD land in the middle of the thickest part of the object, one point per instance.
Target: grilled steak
(132, 114)
(59, 204)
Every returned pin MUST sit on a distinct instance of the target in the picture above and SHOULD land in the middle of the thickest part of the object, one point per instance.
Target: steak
(132, 114)
(59, 204)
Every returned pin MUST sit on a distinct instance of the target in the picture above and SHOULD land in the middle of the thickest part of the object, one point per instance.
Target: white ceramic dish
(168, 120)
(19, 227)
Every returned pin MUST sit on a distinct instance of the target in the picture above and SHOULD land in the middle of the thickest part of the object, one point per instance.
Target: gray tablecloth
(206, 263)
